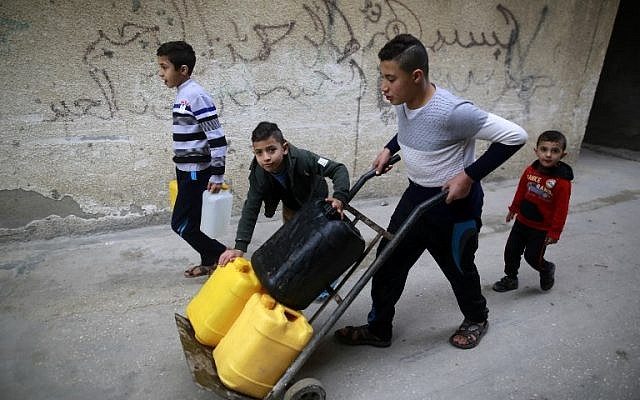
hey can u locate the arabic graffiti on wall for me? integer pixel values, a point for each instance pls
(332, 52)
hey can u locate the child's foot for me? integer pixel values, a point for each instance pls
(547, 277)
(505, 284)
(469, 334)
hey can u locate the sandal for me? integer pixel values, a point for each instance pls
(360, 335)
(472, 332)
(199, 270)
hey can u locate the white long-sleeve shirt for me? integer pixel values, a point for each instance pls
(438, 139)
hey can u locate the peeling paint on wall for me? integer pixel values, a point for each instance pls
(19, 207)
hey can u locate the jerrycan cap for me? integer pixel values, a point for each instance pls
(268, 302)
(242, 265)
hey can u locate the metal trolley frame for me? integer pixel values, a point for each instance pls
(200, 359)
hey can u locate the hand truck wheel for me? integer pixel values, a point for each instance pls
(306, 389)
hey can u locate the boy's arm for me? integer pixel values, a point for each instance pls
(338, 174)
(514, 208)
(517, 197)
(246, 225)
(207, 116)
(249, 217)
(563, 193)
(380, 163)
(506, 137)
(393, 145)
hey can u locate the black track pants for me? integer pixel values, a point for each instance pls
(528, 241)
(453, 247)
(185, 220)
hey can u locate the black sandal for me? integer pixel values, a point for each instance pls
(199, 270)
(360, 335)
(472, 332)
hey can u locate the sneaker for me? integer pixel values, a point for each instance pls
(505, 284)
(547, 278)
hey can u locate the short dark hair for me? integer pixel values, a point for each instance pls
(179, 53)
(552, 136)
(408, 52)
(266, 130)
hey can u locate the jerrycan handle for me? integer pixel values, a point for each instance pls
(331, 213)
(223, 186)
(241, 267)
(290, 314)
(267, 301)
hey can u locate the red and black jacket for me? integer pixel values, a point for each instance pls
(542, 199)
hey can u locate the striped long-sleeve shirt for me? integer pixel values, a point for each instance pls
(198, 138)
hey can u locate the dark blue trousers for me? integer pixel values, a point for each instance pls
(450, 234)
(185, 220)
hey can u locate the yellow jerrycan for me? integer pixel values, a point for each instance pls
(221, 299)
(260, 346)
(173, 192)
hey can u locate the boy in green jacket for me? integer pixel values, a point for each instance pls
(283, 172)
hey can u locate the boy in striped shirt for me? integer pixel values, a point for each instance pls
(199, 147)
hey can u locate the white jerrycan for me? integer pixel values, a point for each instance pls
(216, 211)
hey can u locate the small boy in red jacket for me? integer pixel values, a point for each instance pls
(540, 206)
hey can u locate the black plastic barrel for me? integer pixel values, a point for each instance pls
(306, 255)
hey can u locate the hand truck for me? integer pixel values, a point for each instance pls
(199, 357)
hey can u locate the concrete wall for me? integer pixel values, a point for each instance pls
(85, 120)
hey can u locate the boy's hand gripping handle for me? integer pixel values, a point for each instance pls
(368, 175)
(332, 213)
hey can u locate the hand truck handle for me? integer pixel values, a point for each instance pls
(368, 175)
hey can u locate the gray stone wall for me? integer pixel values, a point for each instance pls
(86, 124)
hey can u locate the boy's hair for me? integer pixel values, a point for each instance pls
(179, 53)
(408, 52)
(266, 130)
(552, 136)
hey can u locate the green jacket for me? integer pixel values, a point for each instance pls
(306, 172)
